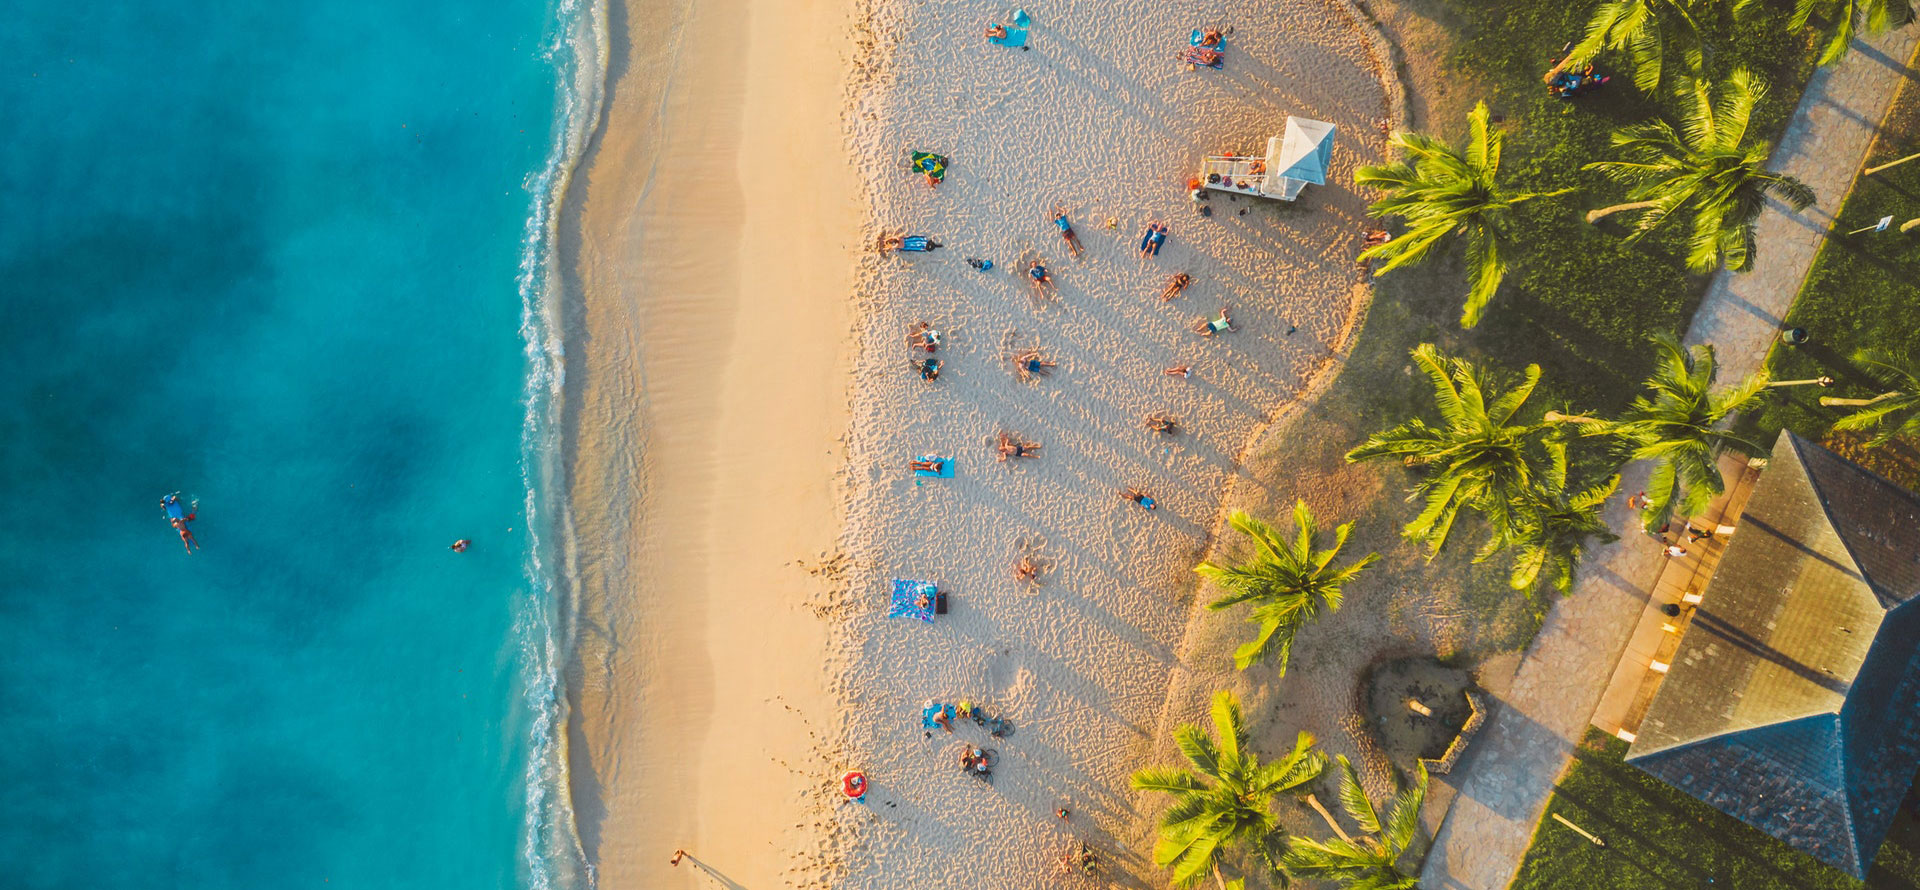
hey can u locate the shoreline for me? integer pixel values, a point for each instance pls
(705, 403)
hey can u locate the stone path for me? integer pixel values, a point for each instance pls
(1508, 776)
(1823, 147)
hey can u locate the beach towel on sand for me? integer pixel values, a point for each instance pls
(905, 596)
(933, 165)
(1016, 31)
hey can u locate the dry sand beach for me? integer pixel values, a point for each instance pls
(741, 404)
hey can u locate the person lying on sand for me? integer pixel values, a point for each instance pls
(1139, 497)
(1009, 446)
(926, 466)
(1207, 327)
(1377, 237)
(1029, 364)
(996, 32)
(1155, 236)
(1026, 569)
(1066, 230)
(1179, 371)
(923, 336)
(1160, 423)
(1175, 285)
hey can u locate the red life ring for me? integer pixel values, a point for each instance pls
(854, 784)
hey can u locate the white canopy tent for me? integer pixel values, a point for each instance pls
(1292, 163)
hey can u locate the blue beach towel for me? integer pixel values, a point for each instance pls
(906, 592)
(1016, 32)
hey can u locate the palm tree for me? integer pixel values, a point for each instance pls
(1680, 422)
(1443, 192)
(1644, 29)
(1895, 412)
(1848, 18)
(1225, 800)
(1288, 583)
(1552, 525)
(1372, 862)
(1702, 167)
(1477, 457)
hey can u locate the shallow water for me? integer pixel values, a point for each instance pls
(269, 255)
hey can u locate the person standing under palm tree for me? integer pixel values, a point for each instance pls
(1446, 194)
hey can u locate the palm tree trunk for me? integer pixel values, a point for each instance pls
(1594, 216)
(1831, 402)
(1557, 417)
(1218, 881)
(1315, 803)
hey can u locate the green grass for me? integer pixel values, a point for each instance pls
(1861, 292)
(1581, 302)
(1658, 837)
(1584, 299)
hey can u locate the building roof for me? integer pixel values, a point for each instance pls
(1793, 702)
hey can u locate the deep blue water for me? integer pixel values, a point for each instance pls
(270, 255)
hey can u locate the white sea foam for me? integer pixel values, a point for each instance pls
(553, 857)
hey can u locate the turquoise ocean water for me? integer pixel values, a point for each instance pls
(287, 259)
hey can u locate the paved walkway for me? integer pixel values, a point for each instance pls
(1508, 775)
(1823, 147)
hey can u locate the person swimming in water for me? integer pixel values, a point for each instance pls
(178, 517)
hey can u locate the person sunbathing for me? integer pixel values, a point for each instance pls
(1376, 237)
(923, 336)
(1026, 569)
(1066, 230)
(1210, 37)
(926, 466)
(1040, 280)
(1029, 364)
(1160, 423)
(1175, 285)
(1207, 327)
(996, 32)
(1139, 497)
(1179, 371)
(1009, 446)
(1155, 236)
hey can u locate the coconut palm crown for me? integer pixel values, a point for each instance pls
(1647, 31)
(1372, 862)
(1843, 20)
(1443, 194)
(1894, 412)
(1552, 525)
(1289, 583)
(1706, 167)
(1224, 799)
(1476, 458)
(1680, 422)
